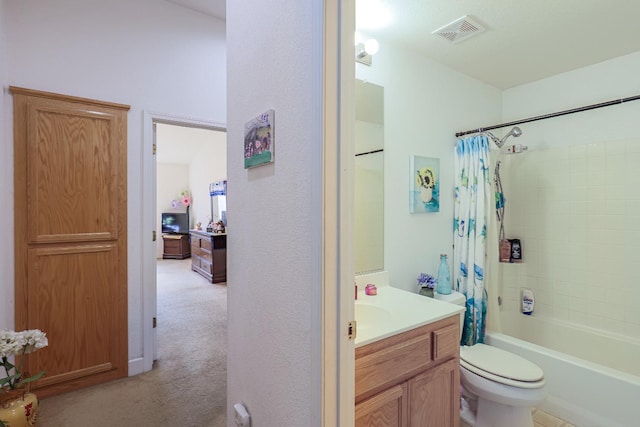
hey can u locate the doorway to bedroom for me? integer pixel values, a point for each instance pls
(190, 308)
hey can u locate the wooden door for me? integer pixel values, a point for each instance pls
(71, 236)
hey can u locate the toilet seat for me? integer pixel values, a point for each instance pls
(501, 366)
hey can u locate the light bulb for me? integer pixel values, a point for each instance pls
(371, 46)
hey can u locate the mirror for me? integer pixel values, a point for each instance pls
(369, 178)
(218, 196)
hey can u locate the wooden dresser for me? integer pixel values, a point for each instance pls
(209, 255)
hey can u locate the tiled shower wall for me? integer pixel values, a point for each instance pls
(576, 210)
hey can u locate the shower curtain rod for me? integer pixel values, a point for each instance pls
(548, 116)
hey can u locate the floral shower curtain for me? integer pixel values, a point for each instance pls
(471, 218)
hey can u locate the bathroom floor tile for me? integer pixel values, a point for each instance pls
(543, 419)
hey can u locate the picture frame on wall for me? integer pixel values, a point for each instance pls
(424, 187)
(259, 141)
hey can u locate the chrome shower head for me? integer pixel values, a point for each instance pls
(515, 131)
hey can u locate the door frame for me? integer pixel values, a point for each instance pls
(149, 216)
(337, 364)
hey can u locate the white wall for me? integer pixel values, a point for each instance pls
(172, 179)
(573, 198)
(152, 55)
(208, 165)
(425, 105)
(600, 82)
(273, 251)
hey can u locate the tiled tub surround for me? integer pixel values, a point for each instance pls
(577, 212)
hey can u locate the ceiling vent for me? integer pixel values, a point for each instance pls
(460, 29)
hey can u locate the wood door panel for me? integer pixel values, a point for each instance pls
(387, 409)
(79, 204)
(77, 281)
(434, 396)
(70, 210)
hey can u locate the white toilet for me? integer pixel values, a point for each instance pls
(499, 388)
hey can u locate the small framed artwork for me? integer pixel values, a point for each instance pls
(424, 190)
(259, 140)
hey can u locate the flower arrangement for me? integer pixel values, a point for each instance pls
(183, 200)
(18, 344)
(186, 198)
(425, 178)
(426, 281)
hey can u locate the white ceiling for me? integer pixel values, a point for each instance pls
(216, 8)
(526, 40)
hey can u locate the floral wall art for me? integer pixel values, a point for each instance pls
(424, 193)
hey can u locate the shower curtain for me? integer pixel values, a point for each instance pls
(472, 208)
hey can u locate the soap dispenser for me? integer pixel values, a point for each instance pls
(444, 278)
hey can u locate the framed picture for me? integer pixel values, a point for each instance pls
(424, 189)
(259, 140)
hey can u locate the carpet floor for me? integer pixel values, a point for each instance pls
(187, 385)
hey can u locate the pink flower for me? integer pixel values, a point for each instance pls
(186, 200)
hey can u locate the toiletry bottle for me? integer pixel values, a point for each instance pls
(444, 278)
(527, 301)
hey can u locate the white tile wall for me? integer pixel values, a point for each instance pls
(577, 212)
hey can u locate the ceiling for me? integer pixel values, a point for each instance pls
(524, 40)
(215, 8)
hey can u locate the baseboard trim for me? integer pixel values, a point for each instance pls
(136, 366)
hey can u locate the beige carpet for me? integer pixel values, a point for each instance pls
(186, 387)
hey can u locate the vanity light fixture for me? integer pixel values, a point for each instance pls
(364, 51)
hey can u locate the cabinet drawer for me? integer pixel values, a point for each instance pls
(195, 261)
(171, 244)
(205, 244)
(375, 371)
(206, 265)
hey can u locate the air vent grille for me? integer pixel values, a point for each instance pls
(460, 29)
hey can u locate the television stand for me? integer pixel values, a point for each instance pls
(176, 246)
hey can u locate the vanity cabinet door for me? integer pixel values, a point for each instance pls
(411, 379)
(386, 409)
(434, 396)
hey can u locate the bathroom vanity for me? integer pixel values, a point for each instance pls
(407, 361)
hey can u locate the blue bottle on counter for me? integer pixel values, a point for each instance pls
(444, 278)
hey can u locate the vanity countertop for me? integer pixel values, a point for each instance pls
(393, 311)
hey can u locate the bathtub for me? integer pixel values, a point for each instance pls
(582, 388)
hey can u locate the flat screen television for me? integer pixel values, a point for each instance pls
(175, 223)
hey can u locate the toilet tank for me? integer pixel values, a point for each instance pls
(456, 298)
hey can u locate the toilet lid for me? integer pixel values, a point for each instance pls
(499, 363)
